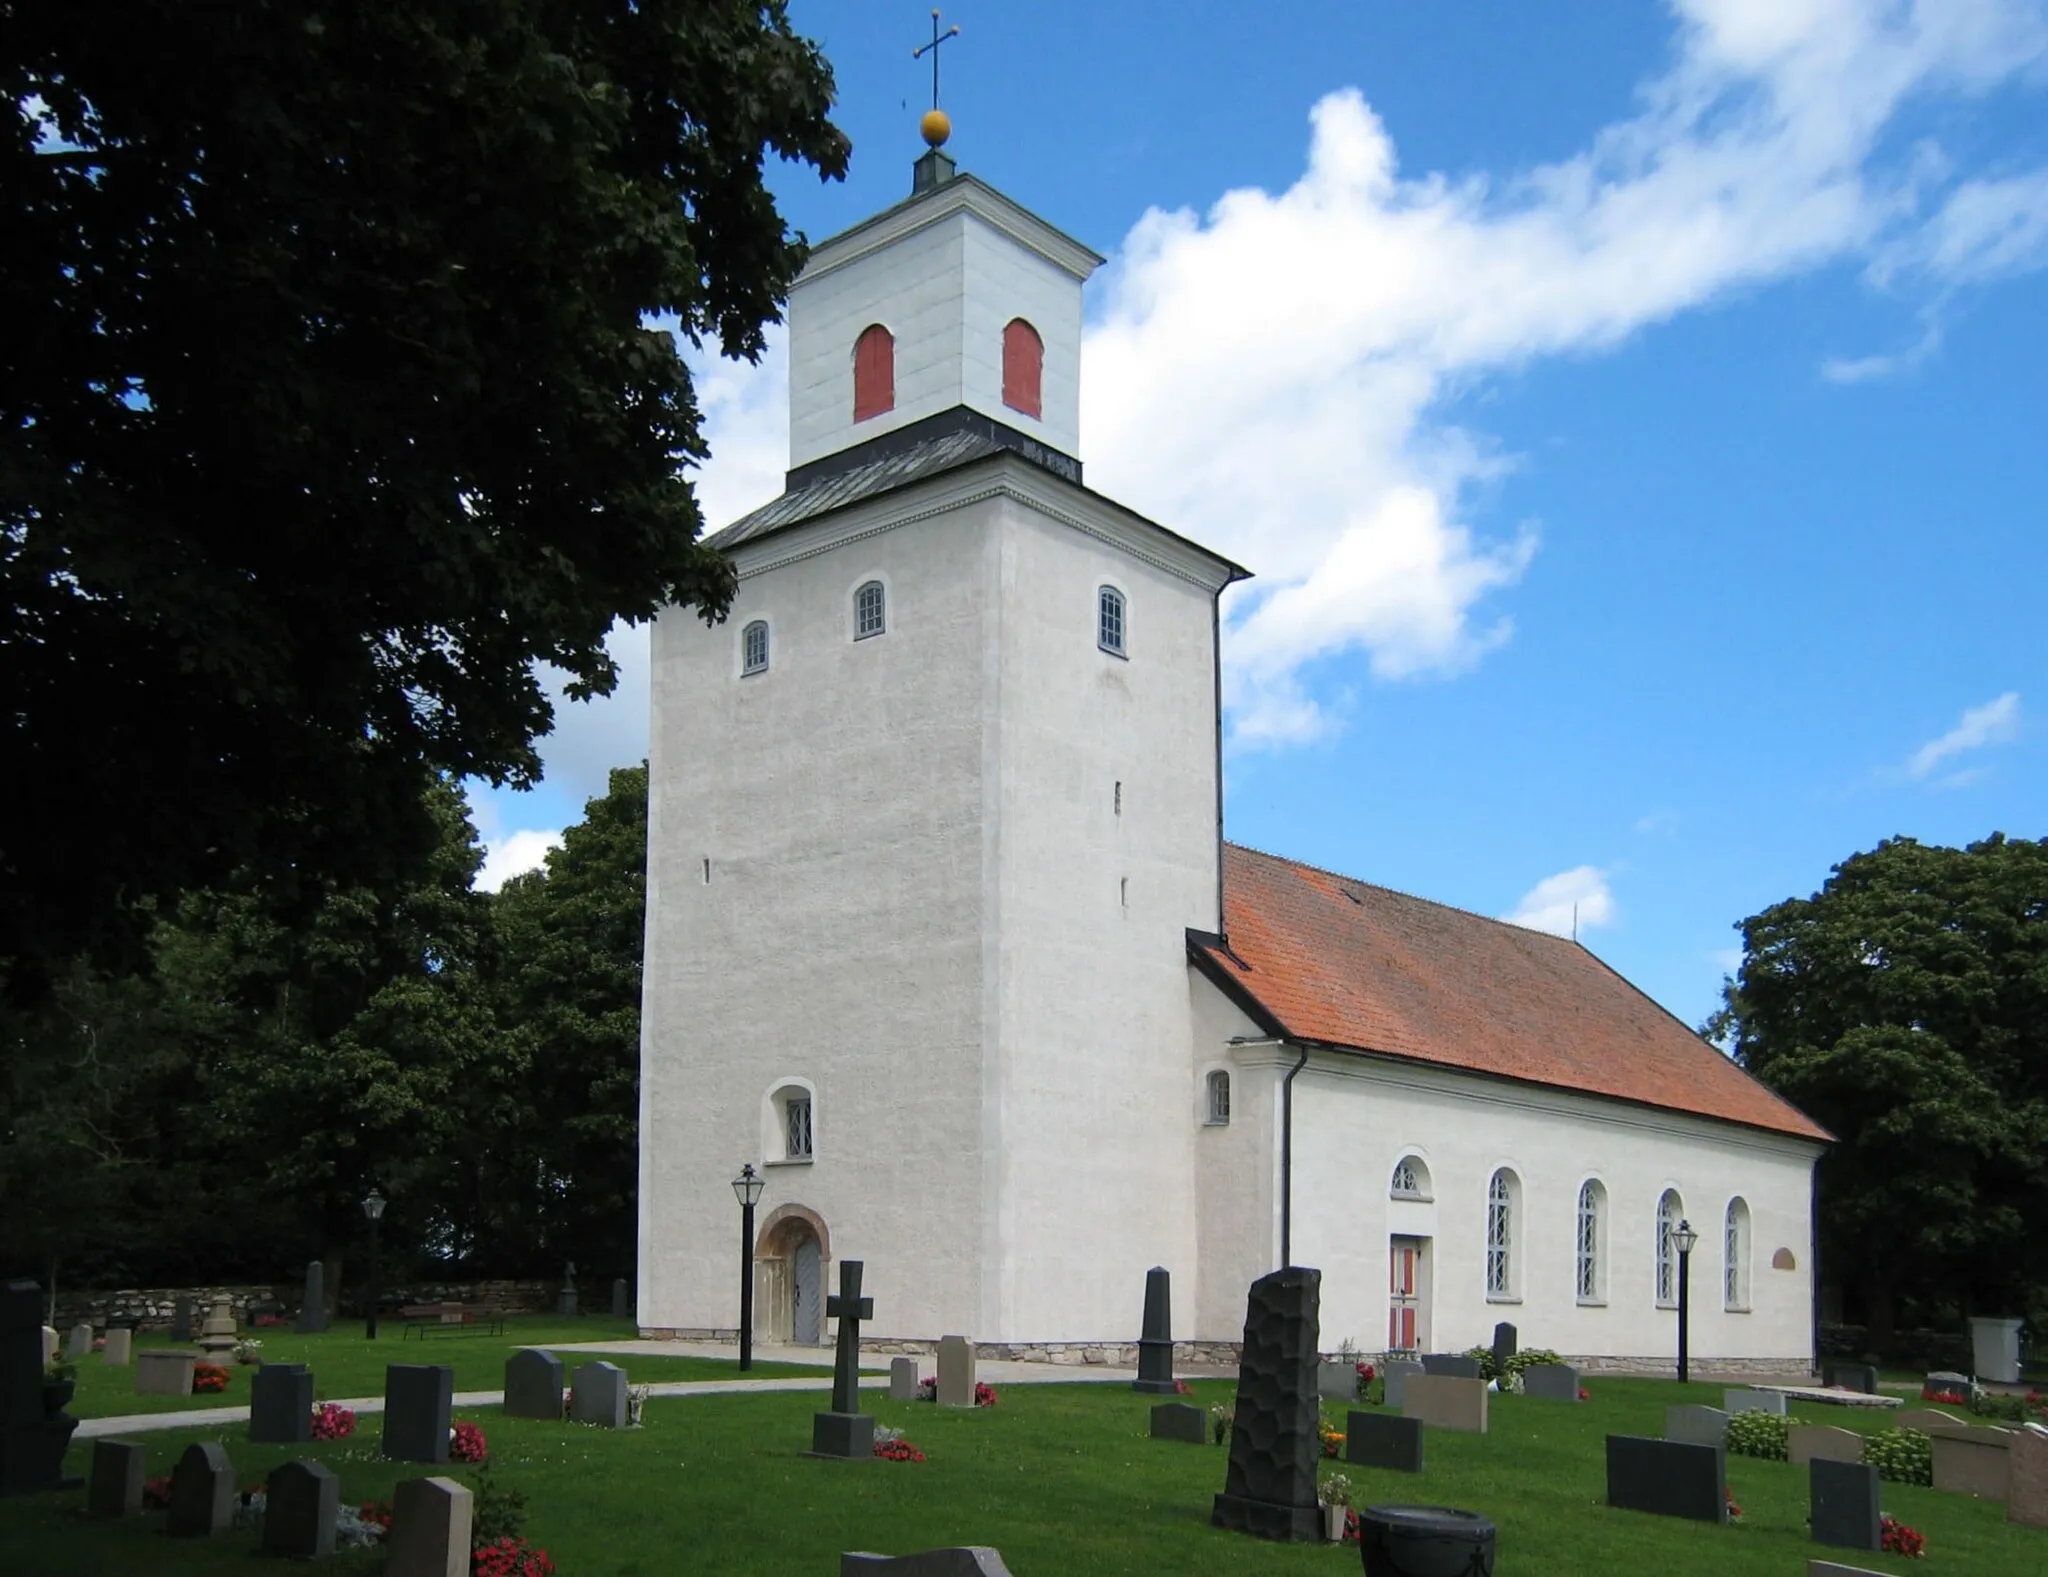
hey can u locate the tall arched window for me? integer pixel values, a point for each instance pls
(754, 647)
(1592, 1280)
(870, 611)
(1219, 1098)
(1500, 1235)
(874, 372)
(1109, 620)
(1023, 367)
(1670, 1211)
(1735, 1256)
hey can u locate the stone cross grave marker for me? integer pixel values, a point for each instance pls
(202, 1492)
(313, 1310)
(1806, 1443)
(418, 1397)
(430, 1527)
(1155, 1337)
(533, 1384)
(281, 1404)
(1672, 1478)
(902, 1379)
(1383, 1441)
(118, 1468)
(120, 1348)
(956, 1372)
(300, 1502)
(846, 1433)
(1180, 1421)
(1270, 1487)
(600, 1392)
(32, 1439)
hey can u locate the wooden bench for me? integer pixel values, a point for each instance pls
(451, 1319)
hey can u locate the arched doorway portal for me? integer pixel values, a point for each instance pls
(791, 1255)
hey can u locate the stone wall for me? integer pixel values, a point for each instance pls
(152, 1308)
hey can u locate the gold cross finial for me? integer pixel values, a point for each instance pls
(935, 125)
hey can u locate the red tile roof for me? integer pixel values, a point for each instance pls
(1320, 957)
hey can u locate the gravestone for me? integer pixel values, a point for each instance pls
(281, 1405)
(975, 1560)
(183, 1312)
(1843, 1508)
(1740, 1399)
(956, 1372)
(1382, 1440)
(118, 1469)
(622, 1300)
(418, 1397)
(565, 1300)
(1446, 1401)
(1180, 1421)
(430, 1529)
(217, 1334)
(51, 1342)
(1696, 1425)
(160, 1371)
(1551, 1382)
(120, 1348)
(1928, 1420)
(1850, 1376)
(599, 1391)
(1395, 1372)
(202, 1492)
(846, 1434)
(313, 1310)
(79, 1342)
(1948, 1380)
(1504, 1347)
(1155, 1337)
(1337, 1382)
(1458, 1365)
(34, 1430)
(1270, 1487)
(300, 1502)
(1671, 1478)
(1822, 1443)
(902, 1379)
(533, 1384)
(2026, 1498)
(1973, 1461)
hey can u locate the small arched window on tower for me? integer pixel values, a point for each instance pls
(754, 648)
(1219, 1098)
(1023, 367)
(874, 372)
(870, 611)
(1109, 621)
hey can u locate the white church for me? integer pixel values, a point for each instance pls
(944, 938)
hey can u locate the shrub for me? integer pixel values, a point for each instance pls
(1989, 1404)
(1221, 1420)
(1760, 1434)
(495, 1513)
(1905, 1456)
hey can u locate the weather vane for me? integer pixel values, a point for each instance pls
(936, 127)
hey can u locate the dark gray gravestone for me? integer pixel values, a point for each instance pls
(300, 1502)
(418, 1397)
(281, 1405)
(183, 1313)
(1851, 1376)
(1180, 1421)
(1155, 1340)
(202, 1492)
(1384, 1440)
(313, 1311)
(1844, 1507)
(622, 1300)
(118, 1468)
(846, 1433)
(902, 1379)
(34, 1428)
(1458, 1365)
(1553, 1382)
(1270, 1488)
(1394, 1374)
(1672, 1478)
(565, 1300)
(599, 1390)
(1504, 1346)
(533, 1384)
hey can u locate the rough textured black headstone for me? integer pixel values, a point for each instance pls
(1179, 1421)
(1384, 1440)
(1425, 1541)
(34, 1428)
(118, 1468)
(1155, 1340)
(281, 1404)
(313, 1311)
(202, 1492)
(1855, 1376)
(1672, 1478)
(846, 1437)
(418, 1397)
(622, 1300)
(300, 1502)
(1459, 1365)
(1504, 1346)
(1270, 1488)
(1845, 1505)
(533, 1384)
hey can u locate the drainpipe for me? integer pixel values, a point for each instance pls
(1287, 1161)
(1216, 673)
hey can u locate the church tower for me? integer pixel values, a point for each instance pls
(931, 814)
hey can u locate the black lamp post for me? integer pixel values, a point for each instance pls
(747, 1189)
(1685, 1240)
(373, 1207)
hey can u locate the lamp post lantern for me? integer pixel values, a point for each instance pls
(746, 1189)
(1685, 1240)
(373, 1207)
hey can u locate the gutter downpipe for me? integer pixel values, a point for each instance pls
(1287, 1161)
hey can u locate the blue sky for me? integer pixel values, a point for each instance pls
(1637, 419)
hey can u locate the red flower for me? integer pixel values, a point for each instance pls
(466, 1443)
(1733, 1509)
(331, 1421)
(898, 1450)
(1366, 1373)
(984, 1395)
(208, 1378)
(156, 1493)
(1585, 1395)
(510, 1557)
(1898, 1539)
(377, 1511)
(1182, 1388)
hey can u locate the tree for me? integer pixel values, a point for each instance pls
(1905, 1007)
(329, 404)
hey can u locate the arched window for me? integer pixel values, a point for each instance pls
(1500, 1235)
(874, 372)
(869, 606)
(1670, 1211)
(1109, 620)
(1219, 1097)
(1023, 367)
(1410, 1179)
(1735, 1256)
(1592, 1280)
(754, 647)
(791, 1135)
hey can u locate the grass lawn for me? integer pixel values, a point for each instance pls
(1061, 1478)
(346, 1364)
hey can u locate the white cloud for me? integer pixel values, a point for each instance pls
(1577, 898)
(513, 855)
(1993, 723)
(1727, 959)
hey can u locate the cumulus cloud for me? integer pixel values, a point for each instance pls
(514, 854)
(1993, 723)
(1575, 899)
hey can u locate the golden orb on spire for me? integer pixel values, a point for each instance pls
(936, 127)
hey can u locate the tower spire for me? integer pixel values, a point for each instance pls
(934, 167)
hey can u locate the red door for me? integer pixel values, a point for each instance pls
(1401, 1257)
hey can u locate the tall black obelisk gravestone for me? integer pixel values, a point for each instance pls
(34, 1428)
(1270, 1488)
(1155, 1341)
(846, 1433)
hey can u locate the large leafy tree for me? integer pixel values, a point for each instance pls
(328, 404)
(1905, 1006)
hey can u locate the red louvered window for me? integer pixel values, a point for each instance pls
(874, 372)
(1023, 367)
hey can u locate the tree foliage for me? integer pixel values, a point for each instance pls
(329, 404)
(1905, 1007)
